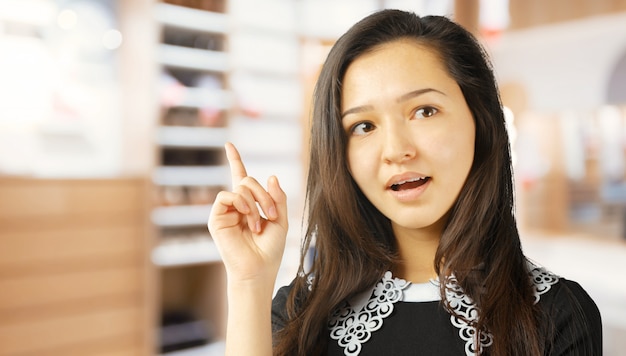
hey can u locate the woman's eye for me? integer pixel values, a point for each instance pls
(425, 112)
(362, 128)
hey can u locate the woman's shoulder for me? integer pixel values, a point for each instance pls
(570, 314)
(551, 290)
(280, 300)
(279, 307)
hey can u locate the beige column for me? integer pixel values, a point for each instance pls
(466, 13)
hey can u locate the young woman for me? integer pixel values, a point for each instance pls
(410, 210)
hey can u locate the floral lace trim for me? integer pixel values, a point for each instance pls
(542, 279)
(464, 317)
(354, 322)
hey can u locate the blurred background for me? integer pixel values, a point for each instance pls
(113, 115)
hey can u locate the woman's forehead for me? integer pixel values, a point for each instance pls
(394, 69)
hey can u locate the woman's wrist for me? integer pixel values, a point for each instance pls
(249, 317)
(258, 287)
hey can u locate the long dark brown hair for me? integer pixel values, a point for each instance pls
(354, 242)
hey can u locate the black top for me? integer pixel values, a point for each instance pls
(399, 318)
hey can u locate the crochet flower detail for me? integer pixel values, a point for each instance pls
(542, 280)
(355, 321)
(465, 313)
(464, 316)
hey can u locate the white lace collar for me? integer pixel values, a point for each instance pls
(422, 292)
(354, 322)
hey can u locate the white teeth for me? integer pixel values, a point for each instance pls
(410, 180)
(396, 186)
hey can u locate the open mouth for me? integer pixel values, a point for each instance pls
(409, 184)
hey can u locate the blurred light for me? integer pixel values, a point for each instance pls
(32, 12)
(112, 39)
(612, 149)
(67, 19)
(509, 119)
(494, 14)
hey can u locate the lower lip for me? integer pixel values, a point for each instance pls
(409, 195)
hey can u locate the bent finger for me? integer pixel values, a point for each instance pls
(224, 212)
(247, 197)
(280, 200)
(262, 197)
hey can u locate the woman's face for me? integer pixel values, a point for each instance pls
(410, 134)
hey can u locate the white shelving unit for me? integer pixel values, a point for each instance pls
(189, 18)
(191, 176)
(259, 65)
(193, 47)
(191, 58)
(192, 137)
(178, 254)
(200, 97)
(215, 349)
(181, 216)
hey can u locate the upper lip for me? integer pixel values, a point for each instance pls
(404, 177)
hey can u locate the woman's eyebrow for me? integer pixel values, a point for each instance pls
(417, 92)
(405, 97)
(357, 109)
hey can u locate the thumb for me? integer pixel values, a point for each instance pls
(280, 199)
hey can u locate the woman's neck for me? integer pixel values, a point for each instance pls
(416, 250)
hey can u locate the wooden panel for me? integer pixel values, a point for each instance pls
(466, 14)
(49, 289)
(48, 198)
(200, 289)
(34, 336)
(74, 307)
(530, 13)
(126, 344)
(212, 298)
(74, 268)
(65, 243)
(123, 345)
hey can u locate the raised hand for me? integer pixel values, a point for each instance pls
(251, 245)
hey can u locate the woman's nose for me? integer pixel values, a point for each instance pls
(398, 145)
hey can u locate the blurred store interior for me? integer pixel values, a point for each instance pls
(113, 116)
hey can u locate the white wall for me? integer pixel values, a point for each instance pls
(563, 66)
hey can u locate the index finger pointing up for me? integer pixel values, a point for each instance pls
(237, 169)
